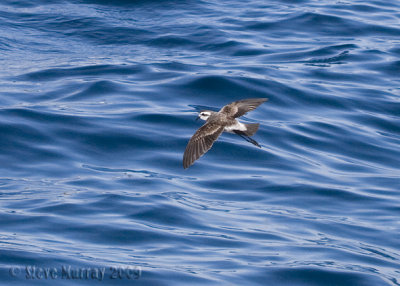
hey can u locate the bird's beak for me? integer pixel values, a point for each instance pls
(197, 118)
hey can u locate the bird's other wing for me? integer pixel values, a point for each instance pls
(201, 142)
(241, 107)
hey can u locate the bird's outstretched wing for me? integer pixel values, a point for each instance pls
(201, 142)
(240, 107)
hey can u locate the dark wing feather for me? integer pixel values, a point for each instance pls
(241, 107)
(201, 142)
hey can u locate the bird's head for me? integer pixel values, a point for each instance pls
(204, 114)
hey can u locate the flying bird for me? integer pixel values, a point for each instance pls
(218, 122)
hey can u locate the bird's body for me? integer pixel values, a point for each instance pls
(218, 122)
(236, 126)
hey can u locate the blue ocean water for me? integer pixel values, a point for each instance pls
(99, 98)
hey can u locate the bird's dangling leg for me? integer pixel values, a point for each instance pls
(247, 138)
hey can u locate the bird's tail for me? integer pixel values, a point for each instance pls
(251, 129)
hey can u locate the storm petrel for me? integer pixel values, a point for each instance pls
(218, 122)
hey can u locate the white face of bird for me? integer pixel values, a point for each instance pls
(204, 115)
